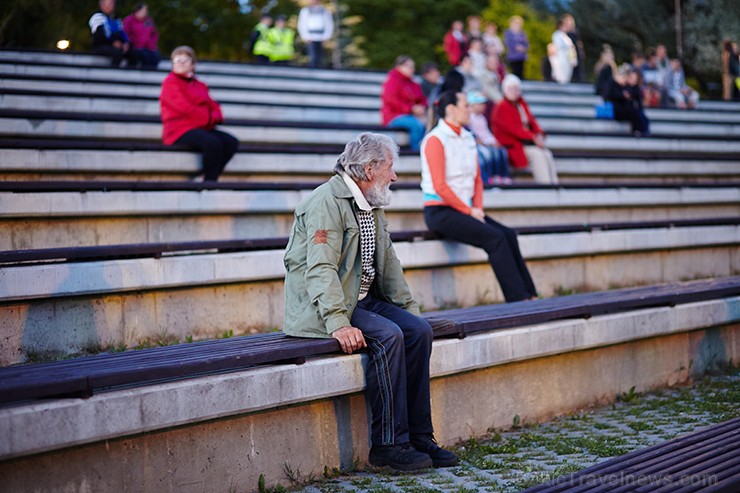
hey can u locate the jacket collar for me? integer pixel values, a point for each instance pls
(444, 127)
(360, 199)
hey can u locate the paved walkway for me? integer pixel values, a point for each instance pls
(514, 460)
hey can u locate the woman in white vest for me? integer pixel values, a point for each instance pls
(453, 197)
(566, 57)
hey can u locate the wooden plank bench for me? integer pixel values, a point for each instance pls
(707, 460)
(157, 250)
(81, 377)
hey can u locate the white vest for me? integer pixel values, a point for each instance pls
(461, 163)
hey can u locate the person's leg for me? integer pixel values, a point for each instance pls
(150, 59)
(521, 265)
(517, 68)
(459, 227)
(417, 339)
(413, 125)
(503, 158)
(541, 163)
(115, 54)
(229, 145)
(212, 148)
(484, 162)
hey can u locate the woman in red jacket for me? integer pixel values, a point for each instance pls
(455, 43)
(517, 130)
(189, 115)
(403, 102)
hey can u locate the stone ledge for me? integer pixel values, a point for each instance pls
(114, 276)
(39, 427)
(144, 203)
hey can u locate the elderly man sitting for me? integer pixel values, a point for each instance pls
(344, 281)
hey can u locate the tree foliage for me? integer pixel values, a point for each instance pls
(215, 28)
(539, 27)
(384, 29)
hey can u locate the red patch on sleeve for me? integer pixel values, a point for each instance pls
(320, 236)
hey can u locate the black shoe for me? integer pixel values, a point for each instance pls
(427, 444)
(401, 457)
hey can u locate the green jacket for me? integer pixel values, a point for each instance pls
(323, 264)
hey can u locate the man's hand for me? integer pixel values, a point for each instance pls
(478, 214)
(350, 338)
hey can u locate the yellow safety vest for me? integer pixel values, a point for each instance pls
(280, 44)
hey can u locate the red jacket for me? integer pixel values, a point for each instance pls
(399, 95)
(453, 48)
(508, 129)
(186, 105)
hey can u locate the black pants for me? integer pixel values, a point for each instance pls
(217, 148)
(117, 55)
(399, 345)
(499, 242)
(517, 68)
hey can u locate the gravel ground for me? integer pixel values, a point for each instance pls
(525, 456)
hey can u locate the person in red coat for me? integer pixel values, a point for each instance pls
(190, 116)
(403, 101)
(516, 128)
(455, 43)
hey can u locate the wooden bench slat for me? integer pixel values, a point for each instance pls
(707, 452)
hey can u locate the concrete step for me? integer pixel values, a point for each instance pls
(36, 163)
(137, 298)
(269, 110)
(206, 66)
(541, 104)
(213, 80)
(78, 126)
(70, 219)
(149, 129)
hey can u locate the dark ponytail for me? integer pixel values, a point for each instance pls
(440, 106)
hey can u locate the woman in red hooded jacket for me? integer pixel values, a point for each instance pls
(189, 115)
(403, 104)
(517, 130)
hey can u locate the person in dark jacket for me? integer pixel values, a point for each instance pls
(625, 94)
(190, 116)
(108, 35)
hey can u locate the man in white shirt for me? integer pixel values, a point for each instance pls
(315, 25)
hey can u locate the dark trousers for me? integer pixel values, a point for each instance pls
(117, 55)
(315, 51)
(217, 148)
(499, 242)
(148, 59)
(396, 370)
(638, 120)
(517, 68)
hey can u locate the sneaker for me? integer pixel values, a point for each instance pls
(427, 444)
(400, 457)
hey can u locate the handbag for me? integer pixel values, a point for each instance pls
(605, 111)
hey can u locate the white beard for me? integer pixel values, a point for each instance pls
(379, 195)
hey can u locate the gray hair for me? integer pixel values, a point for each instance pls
(368, 149)
(510, 80)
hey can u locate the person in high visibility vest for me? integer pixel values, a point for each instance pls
(280, 40)
(258, 39)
